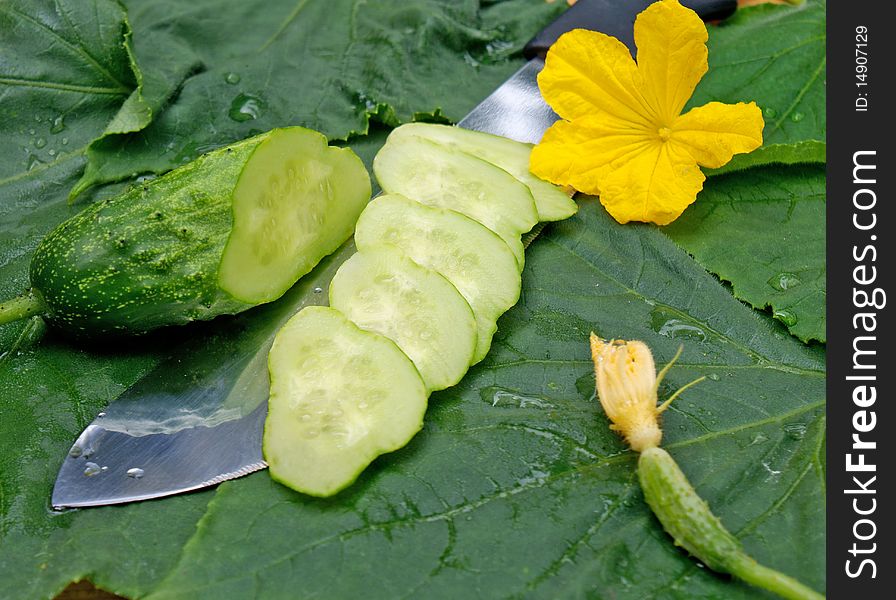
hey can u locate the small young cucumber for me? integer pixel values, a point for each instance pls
(441, 176)
(552, 203)
(381, 289)
(230, 230)
(340, 397)
(687, 518)
(473, 258)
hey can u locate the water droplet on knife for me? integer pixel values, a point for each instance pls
(135, 473)
(91, 469)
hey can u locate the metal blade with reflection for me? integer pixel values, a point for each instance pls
(196, 419)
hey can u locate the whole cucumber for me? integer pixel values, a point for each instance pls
(151, 256)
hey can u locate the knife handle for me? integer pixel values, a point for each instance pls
(615, 18)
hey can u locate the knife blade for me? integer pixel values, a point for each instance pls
(197, 419)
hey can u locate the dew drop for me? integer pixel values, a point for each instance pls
(40, 143)
(52, 152)
(713, 377)
(136, 473)
(795, 431)
(662, 321)
(91, 469)
(784, 281)
(58, 125)
(759, 438)
(797, 117)
(769, 112)
(318, 290)
(785, 316)
(246, 107)
(33, 161)
(65, 141)
(232, 78)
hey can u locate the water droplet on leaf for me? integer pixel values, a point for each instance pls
(787, 317)
(58, 125)
(769, 112)
(40, 143)
(795, 431)
(784, 281)
(232, 78)
(246, 107)
(797, 117)
(713, 377)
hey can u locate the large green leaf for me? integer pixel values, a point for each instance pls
(775, 56)
(516, 457)
(330, 66)
(64, 73)
(516, 485)
(764, 231)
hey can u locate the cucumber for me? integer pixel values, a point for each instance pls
(340, 397)
(152, 256)
(473, 258)
(383, 290)
(296, 201)
(552, 203)
(440, 176)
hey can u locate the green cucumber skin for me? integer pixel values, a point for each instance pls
(147, 258)
(684, 515)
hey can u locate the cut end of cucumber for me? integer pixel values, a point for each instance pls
(383, 290)
(340, 397)
(296, 201)
(551, 201)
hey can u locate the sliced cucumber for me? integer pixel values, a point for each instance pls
(383, 290)
(340, 397)
(552, 203)
(440, 176)
(472, 257)
(295, 202)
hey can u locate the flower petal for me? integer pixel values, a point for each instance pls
(655, 186)
(580, 153)
(671, 41)
(715, 132)
(587, 72)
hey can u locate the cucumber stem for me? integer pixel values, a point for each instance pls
(774, 581)
(22, 307)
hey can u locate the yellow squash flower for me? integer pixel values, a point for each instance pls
(627, 384)
(621, 133)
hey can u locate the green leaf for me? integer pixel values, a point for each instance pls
(773, 55)
(64, 73)
(330, 66)
(763, 230)
(520, 451)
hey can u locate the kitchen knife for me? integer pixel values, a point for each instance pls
(197, 419)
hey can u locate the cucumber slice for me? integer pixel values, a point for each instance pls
(295, 202)
(552, 203)
(475, 260)
(383, 290)
(340, 397)
(440, 176)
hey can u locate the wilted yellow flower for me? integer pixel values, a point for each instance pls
(627, 384)
(621, 133)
